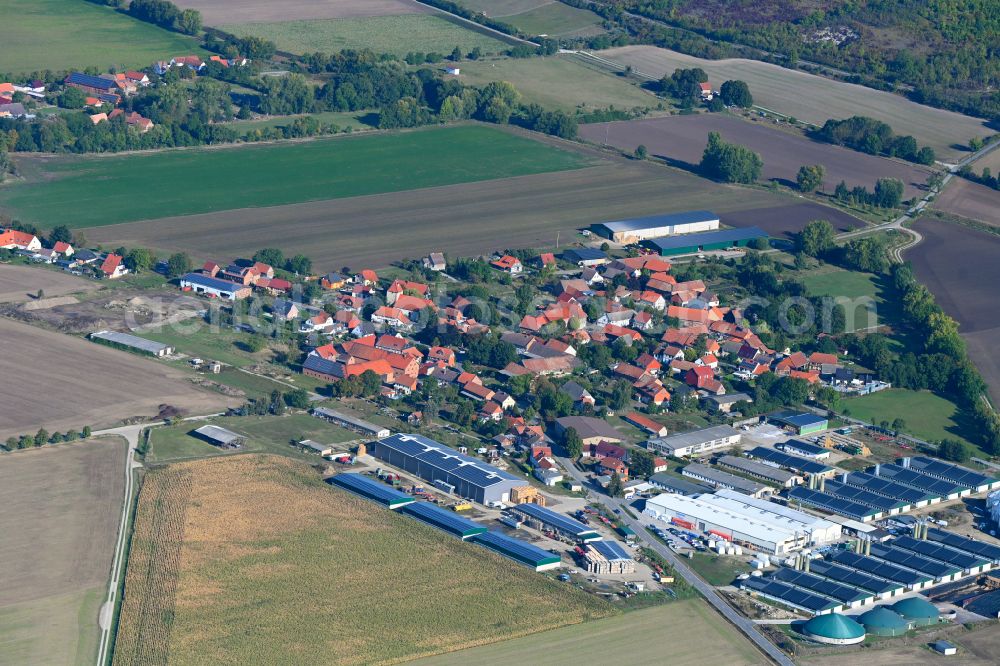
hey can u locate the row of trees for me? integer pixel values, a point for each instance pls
(888, 193)
(43, 437)
(873, 137)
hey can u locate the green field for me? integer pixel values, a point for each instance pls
(718, 570)
(355, 120)
(860, 288)
(96, 191)
(559, 82)
(399, 35)
(265, 434)
(928, 416)
(254, 560)
(556, 20)
(685, 633)
(74, 34)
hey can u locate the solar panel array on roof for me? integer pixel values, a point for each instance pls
(371, 489)
(888, 488)
(612, 550)
(812, 583)
(521, 551)
(831, 503)
(782, 459)
(444, 519)
(557, 520)
(966, 544)
(940, 552)
(879, 568)
(862, 496)
(910, 560)
(789, 594)
(955, 473)
(910, 477)
(853, 577)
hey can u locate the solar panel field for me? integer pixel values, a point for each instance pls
(253, 559)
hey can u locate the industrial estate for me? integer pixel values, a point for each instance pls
(497, 332)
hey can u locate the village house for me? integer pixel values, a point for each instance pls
(113, 267)
(508, 264)
(12, 239)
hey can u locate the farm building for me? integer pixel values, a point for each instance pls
(805, 466)
(540, 517)
(976, 482)
(800, 423)
(316, 447)
(901, 474)
(696, 442)
(790, 595)
(591, 430)
(585, 256)
(721, 479)
(371, 489)
(819, 499)
(608, 557)
(705, 242)
(656, 226)
(219, 436)
(822, 530)
(758, 470)
(210, 286)
(433, 461)
(732, 517)
(879, 587)
(351, 423)
(519, 551)
(444, 519)
(673, 484)
(132, 343)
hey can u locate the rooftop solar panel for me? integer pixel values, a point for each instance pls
(939, 552)
(444, 519)
(879, 568)
(519, 550)
(407, 446)
(370, 488)
(831, 503)
(827, 588)
(792, 595)
(888, 488)
(563, 523)
(782, 459)
(916, 479)
(966, 544)
(955, 473)
(911, 560)
(862, 496)
(853, 577)
(611, 550)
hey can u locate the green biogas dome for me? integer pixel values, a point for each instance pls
(881, 621)
(917, 610)
(835, 629)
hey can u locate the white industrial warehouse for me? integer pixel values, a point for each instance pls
(760, 524)
(656, 226)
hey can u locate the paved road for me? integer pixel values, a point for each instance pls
(748, 628)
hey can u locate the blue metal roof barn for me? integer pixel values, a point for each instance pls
(518, 550)
(444, 519)
(371, 490)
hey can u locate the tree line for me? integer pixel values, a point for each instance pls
(43, 437)
(874, 137)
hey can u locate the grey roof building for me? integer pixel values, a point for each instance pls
(759, 470)
(133, 342)
(720, 479)
(696, 442)
(433, 461)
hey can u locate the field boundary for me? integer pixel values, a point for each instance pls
(483, 29)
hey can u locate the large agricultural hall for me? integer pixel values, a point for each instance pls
(639, 229)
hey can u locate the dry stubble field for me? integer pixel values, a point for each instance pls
(63, 382)
(59, 525)
(683, 139)
(20, 283)
(215, 12)
(815, 99)
(467, 219)
(253, 559)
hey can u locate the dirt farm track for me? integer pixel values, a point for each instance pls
(467, 219)
(959, 265)
(63, 382)
(216, 12)
(683, 138)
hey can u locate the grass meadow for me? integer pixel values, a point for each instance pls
(927, 416)
(672, 634)
(97, 191)
(425, 33)
(253, 559)
(74, 34)
(559, 82)
(555, 19)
